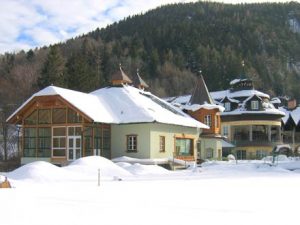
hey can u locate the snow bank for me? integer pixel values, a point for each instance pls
(141, 161)
(88, 166)
(39, 172)
(139, 169)
(82, 169)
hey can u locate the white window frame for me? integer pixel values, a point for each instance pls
(254, 105)
(58, 148)
(225, 130)
(207, 120)
(227, 106)
(131, 143)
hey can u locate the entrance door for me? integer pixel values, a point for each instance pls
(74, 147)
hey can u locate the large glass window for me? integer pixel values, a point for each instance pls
(88, 141)
(44, 142)
(74, 117)
(31, 119)
(59, 116)
(241, 154)
(184, 146)
(259, 133)
(241, 133)
(59, 142)
(131, 143)
(44, 116)
(30, 142)
(106, 142)
(97, 141)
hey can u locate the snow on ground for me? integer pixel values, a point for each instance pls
(246, 192)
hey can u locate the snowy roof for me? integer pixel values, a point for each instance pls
(196, 107)
(88, 104)
(276, 100)
(131, 105)
(236, 81)
(294, 114)
(241, 111)
(242, 93)
(120, 105)
(286, 116)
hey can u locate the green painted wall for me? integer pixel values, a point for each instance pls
(119, 140)
(148, 139)
(169, 131)
(211, 143)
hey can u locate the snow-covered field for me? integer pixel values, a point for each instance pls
(250, 192)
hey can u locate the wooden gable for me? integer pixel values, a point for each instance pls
(45, 102)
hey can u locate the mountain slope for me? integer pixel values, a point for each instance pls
(170, 45)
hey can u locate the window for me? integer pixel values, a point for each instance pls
(217, 121)
(131, 143)
(254, 105)
(225, 131)
(74, 117)
(59, 142)
(106, 142)
(88, 137)
(207, 120)
(261, 153)
(44, 142)
(162, 143)
(97, 141)
(59, 116)
(209, 153)
(227, 106)
(241, 154)
(44, 116)
(32, 118)
(29, 142)
(184, 146)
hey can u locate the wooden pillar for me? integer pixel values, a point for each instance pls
(250, 133)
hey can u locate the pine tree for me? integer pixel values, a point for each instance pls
(53, 70)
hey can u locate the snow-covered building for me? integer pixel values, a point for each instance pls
(60, 125)
(291, 124)
(250, 121)
(202, 107)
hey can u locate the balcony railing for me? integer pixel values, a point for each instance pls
(245, 143)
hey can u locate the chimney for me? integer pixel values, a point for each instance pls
(292, 104)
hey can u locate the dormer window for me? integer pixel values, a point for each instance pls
(254, 105)
(207, 120)
(227, 106)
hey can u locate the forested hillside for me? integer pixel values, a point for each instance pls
(169, 45)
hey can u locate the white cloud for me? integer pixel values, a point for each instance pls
(34, 23)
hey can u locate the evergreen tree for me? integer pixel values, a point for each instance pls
(53, 70)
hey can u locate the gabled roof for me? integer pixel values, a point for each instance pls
(121, 76)
(119, 105)
(201, 94)
(139, 82)
(86, 103)
(229, 99)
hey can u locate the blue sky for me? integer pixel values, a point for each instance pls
(26, 24)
